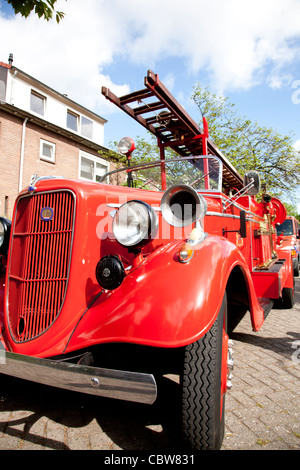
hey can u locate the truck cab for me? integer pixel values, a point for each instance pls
(289, 239)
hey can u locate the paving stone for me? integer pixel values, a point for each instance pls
(262, 409)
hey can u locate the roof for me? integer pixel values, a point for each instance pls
(61, 96)
(21, 113)
(6, 66)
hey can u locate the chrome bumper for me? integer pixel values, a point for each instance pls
(122, 385)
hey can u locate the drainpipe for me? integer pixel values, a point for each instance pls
(22, 154)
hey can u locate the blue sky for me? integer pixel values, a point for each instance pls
(248, 51)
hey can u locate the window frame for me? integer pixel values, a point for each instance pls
(81, 127)
(80, 118)
(95, 160)
(77, 117)
(44, 157)
(43, 98)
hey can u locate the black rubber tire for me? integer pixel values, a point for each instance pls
(203, 427)
(288, 297)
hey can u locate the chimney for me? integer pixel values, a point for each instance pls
(10, 59)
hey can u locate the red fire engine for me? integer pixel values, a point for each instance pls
(110, 286)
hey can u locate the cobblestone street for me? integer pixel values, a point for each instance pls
(262, 409)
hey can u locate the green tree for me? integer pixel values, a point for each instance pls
(292, 210)
(44, 9)
(250, 146)
(247, 145)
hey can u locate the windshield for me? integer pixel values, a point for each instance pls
(200, 172)
(286, 228)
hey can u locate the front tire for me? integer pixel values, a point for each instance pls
(203, 388)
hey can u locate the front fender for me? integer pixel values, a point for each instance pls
(163, 303)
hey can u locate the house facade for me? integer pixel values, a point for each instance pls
(44, 133)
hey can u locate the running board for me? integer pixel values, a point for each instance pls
(266, 305)
(121, 385)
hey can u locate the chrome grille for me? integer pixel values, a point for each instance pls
(39, 262)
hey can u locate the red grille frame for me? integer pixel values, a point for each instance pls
(39, 262)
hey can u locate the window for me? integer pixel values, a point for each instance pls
(80, 124)
(87, 168)
(92, 168)
(47, 151)
(37, 103)
(86, 127)
(72, 121)
(100, 170)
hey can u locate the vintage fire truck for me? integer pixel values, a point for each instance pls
(108, 287)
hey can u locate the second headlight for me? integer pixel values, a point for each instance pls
(4, 235)
(135, 223)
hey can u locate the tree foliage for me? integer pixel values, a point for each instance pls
(292, 210)
(147, 151)
(250, 146)
(44, 9)
(178, 171)
(246, 144)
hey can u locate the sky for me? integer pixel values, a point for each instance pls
(248, 51)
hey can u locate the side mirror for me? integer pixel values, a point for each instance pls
(252, 180)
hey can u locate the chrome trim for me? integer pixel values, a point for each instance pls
(117, 205)
(255, 218)
(32, 186)
(224, 200)
(122, 385)
(240, 193)
(220, 214)
(154, 163)
(249, 213)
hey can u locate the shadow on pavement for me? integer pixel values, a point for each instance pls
(129, 425)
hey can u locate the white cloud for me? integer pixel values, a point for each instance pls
(237, 43)
(169, 81)
(296, 145)
(70, 56)
(233, 40)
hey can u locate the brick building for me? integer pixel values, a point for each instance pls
(43, 132)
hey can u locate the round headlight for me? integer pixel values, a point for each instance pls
(134, 223)
(4, 234)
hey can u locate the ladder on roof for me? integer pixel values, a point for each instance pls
(171, 124)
